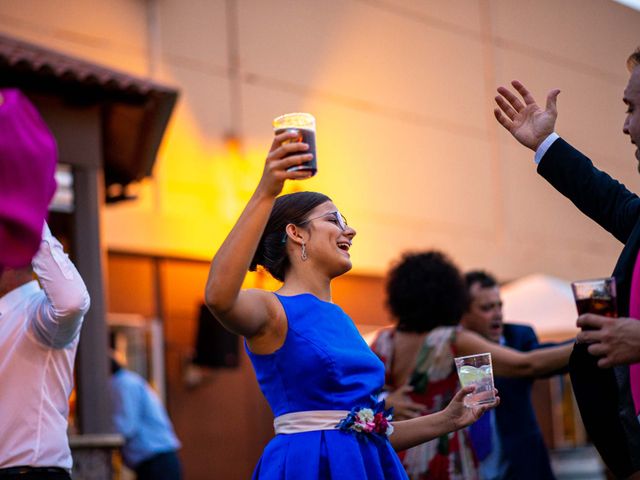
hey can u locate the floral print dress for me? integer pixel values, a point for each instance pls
(434, 381)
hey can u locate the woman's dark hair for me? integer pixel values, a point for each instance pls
(426, 290)
(290, 208)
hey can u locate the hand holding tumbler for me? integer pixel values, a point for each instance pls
(304, 124)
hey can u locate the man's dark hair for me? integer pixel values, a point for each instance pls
(424, 291)
(291, 208)
(485, 279)
(114, 365)
(634, 60)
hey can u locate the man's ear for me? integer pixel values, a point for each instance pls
(296, 234)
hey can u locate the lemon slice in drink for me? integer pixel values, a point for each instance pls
(469, 375)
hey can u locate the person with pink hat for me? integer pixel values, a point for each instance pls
(28, 156)
(39, 326)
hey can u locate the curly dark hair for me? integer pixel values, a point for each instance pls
(426, 290)
(291, 208)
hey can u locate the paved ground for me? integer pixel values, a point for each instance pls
(577, 464)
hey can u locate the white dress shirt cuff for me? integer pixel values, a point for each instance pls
(544, 146)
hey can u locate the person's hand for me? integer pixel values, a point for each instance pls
(462, 416)
(403, 407)
(527, 122)
(616, 340)
(275, 168)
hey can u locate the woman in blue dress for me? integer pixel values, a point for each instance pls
(317, 373)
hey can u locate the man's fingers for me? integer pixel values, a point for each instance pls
(598, 349)
(502, 119)
(589, 320)
(552, 100)
(408, 412)
(511, 98)
(405, 389)
(589, 336)
(604, 362)
(415, 407)
(506, 107)
(405, 401)
(522, 90)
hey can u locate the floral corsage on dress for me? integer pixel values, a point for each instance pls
(365, 422)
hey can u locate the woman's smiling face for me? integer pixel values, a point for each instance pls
(329, 239)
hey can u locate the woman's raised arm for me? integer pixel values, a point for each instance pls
(247, 312)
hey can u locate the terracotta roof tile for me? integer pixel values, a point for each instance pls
(39, 61)
(135, 110)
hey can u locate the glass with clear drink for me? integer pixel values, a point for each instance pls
(477, 371)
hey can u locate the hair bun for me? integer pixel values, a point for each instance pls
(258, 257)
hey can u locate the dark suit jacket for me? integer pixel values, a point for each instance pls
(603, 396)
(522, 444)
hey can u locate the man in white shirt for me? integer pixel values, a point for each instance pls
(39, 334)
(28, 157)
(39, 323)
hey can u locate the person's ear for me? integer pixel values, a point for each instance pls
(296, 234)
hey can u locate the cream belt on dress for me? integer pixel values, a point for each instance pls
(298, 422)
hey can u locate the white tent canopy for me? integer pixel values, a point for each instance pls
(544, 302)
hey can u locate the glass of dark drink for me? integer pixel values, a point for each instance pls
(596, 296)
(596, 389)
(304, 124)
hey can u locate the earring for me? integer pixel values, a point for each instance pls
(304, 252)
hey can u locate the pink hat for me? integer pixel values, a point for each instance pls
(28, 156)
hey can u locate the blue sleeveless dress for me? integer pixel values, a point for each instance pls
(324, 364)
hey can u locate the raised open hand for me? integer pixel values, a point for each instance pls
(282, 156)
(527, 122)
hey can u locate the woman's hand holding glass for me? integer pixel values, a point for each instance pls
(275, 169)
(462, 416)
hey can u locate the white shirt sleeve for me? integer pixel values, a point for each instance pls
(57, 319)
(544, 146)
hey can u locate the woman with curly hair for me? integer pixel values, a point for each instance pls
(314, 368)
(427, 297)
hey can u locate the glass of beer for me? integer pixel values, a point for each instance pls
(304, 124)
(477, 371)
(596, 296)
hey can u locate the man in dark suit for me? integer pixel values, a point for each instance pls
(517, 449)
(604, 395)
